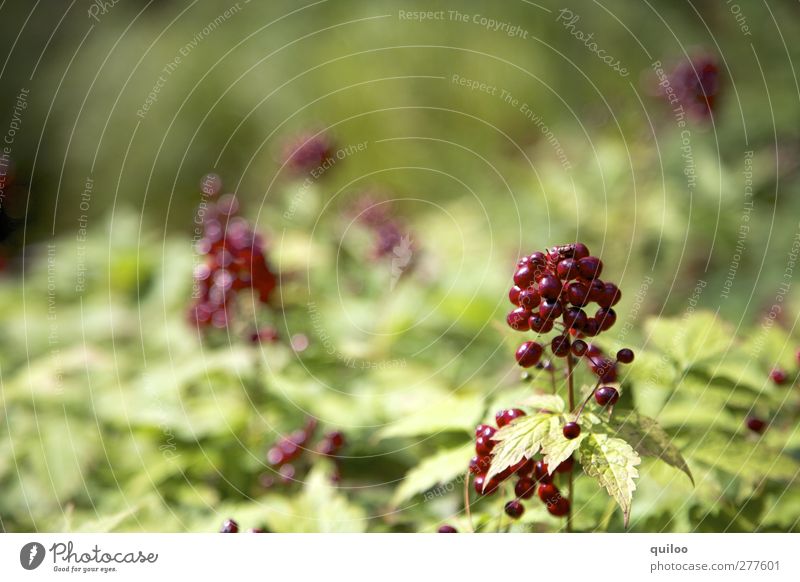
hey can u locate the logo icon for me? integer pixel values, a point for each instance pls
(31, 555)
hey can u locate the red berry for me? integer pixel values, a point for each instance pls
(778, 376)
(524, 277)
(567, 269)
(528, 354)
(513, 294)
(485, 430)
(514, 509)
(579, 347)
(529, 298)
(580, 251)
(540, 324)
(590, 267)
(540, 472)
(549, 287)
(625, 356)
(572, 430)
(610, 295)
(606, 395)
(756, 424)
(575, 318)
(504, 417)
(229, 526)
(548, 492)
(605, 317)
(518, 319)
(550, 309)
(560, 345)
(479, 465)
(447, 529)
(484, 446)
(578, 294)
(559, 508)
(566, 465)
(525, 488)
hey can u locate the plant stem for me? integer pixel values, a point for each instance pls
(571, 500)
(570, 383)
(466, 503)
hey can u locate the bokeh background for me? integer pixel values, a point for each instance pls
(482, 143)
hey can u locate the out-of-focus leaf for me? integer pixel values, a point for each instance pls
(437, 469)
(613, 463)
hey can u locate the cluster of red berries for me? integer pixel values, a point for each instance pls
(234, 260)
(532, 476)
(550, 291)
(696, 83)
(283, 455)
(230, 526)
(307, 151)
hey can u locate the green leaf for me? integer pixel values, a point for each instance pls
(549, 402)
(448, 413)
(557, 448)
(440, 468)
(613, 463)
(649, 439)
(690, 339)
(520, 439)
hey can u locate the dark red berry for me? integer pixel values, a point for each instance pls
(580, 251)
(549, 287)
(560, 345)
(548, 492)
(229, 526)
(550, 309)
(479, 465)
(596, 289)
(579, 347)
(590, 267)
(537, 259)
(447, 529)
(605, 317)
(540, 472)
(504, 417)
(625, 356)
(610, 295)
(592, 328)
(528, 354)
(566, 465)
(567, 269)
(578, 294)
(513, 294)
(518, 319)
(778, 376)
(524, 277)
(571, 430)
(575, 318)
(529, 298)
(484, 446)
(514, 509)
(525, 488)
(540, 324)
(485, 430)
(606, 395)
(756, 424)
(559, 508)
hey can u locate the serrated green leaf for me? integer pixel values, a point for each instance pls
(648, 439)
(550, 402)
(613, 463)
(440, 468)
(520, 439)
(749, 460)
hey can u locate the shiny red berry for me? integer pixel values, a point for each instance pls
(606, 395)
(484, 446)
(478, 465)
(578, 294)
(571, 430)
(528, 354)
(559, 508)
(540, 324)
(529, 298)
(513, 295)
(447, 529)
(567, 269)
(605, 317)
(590, 267)
(229, 526)
(524, 277)
(778, 376)
(518, 319)
(579, 348)
(625, 356)
(566, 465)
(580, 251)
(504, 417)
(575, 318)
(560, 345)
(548, 492)
(550, 309)
(549, 287)
(485, 430)
(540, 472)
(514, 509)
(525, 488)
(610, 295)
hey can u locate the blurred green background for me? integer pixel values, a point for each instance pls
(477, 181)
